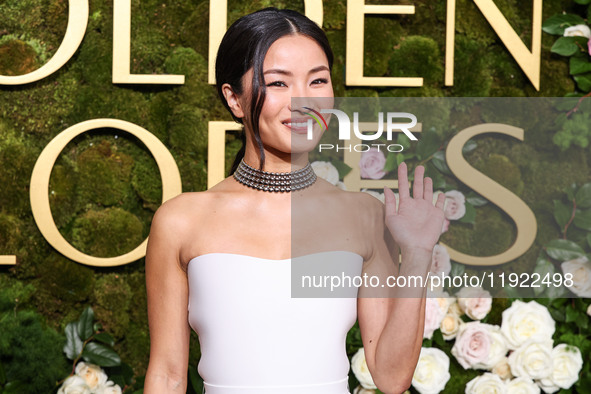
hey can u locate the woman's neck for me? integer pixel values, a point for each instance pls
(284, 162)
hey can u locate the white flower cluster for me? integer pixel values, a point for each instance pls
(532, 364)
(88, 379)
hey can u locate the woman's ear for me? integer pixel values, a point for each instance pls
(233, 100)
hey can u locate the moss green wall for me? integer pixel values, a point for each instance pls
(105, 186)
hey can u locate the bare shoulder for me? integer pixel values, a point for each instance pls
(179, 212)
(364, 204)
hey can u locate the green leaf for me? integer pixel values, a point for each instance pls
(74, 344)
(565, 46)
(195, 381)
(124, 372)
(564, 250)
(579, 65)
(440, 163)
(469, 146)
(342, 168)
(583, 196)
(399, 159)
(562, 213)
(557, 314)
(105, 338)
(391, 162)
(470, 215)
(583, 81)
(543, 267)
(428, 144)
(583, 219)
(476, 199)
(438, 338)
(84, 324)
(100, 355)
(583, 1)
(556, 24)
(571, 314)
(570, 191)
(589, 239)
(403, 140)
(117, 379)
(457, 269)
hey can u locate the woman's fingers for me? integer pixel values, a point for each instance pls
(417, 187)
(428, 189)
(390, 201)
(403, 188)
(440, 201)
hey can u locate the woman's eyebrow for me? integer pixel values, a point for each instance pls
(289, 73)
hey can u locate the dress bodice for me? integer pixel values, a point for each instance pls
(256, 338)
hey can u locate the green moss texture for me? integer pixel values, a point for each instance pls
(105, 185)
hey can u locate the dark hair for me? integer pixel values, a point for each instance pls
(245, 46)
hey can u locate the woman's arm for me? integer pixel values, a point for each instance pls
(167, 289)
(392, 327)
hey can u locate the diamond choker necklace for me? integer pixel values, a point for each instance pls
(274, 181)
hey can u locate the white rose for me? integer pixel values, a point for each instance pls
(436, 306)
(498, 347)
(445, 225)
(455, 205)
(578, 31)
(455, 308)
(580, 269)
(450, 326)
(92, 374)
(108, 388)
(379, 196)
(361, 390)
(503, 369)
(361, 371)
(488, 383)
(522, 386)
(432, 371)
(472, 345)
(532, 360)
(326, 170)
(475, 302)
(522, 321)
(566, 365)
(341, 185)
(440, 262)
(74, 385)
(549, 387)
(589, 310)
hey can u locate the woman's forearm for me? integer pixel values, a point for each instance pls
(158, 382)
(399, 345)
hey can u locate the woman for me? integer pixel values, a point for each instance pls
(218, 260)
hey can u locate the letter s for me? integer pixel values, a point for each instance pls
(521, 214)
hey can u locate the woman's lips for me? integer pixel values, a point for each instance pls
(299, 126)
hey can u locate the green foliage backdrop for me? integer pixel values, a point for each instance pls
(105, 185)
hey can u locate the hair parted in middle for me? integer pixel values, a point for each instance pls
(244, 46)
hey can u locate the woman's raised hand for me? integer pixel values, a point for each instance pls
(417, 222)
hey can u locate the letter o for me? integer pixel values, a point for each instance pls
(169, 172)
(361, 147)
(77, 21)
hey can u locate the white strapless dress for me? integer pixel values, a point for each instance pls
(256, 339)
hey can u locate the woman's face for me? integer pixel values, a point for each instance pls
(295, 66)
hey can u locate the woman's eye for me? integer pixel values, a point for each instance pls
(319, 81)
(277, 83)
